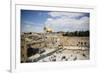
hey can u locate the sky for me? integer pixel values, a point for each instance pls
(35, 21)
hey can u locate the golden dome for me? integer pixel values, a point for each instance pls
(47, 29)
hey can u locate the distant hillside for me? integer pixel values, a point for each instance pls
(77, 33)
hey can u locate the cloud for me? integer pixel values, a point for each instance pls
(49, 19)
(31, 28)
(67, 21)
(59, 21)
(66, 14)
